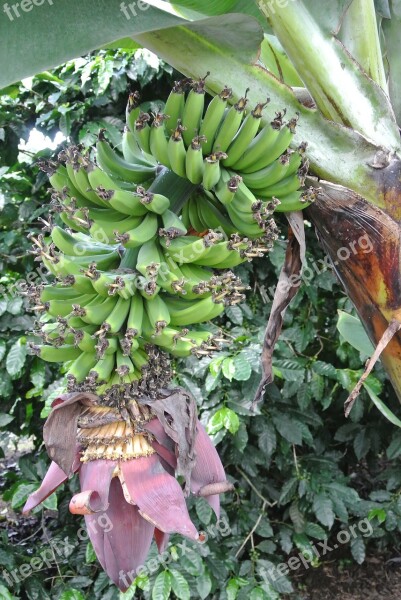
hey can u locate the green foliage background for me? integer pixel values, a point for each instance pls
(302, 472)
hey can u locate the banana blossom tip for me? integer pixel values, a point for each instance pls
(127, 502)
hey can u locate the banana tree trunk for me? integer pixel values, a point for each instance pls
(364, 245)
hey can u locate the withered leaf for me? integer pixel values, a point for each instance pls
(60, 429)
(176, 411)
(287, 287)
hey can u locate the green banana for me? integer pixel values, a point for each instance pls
(280, 145)
(73, 322)
(282, 167)
(197, 279)
(123, 201)
(140, 359)
(73, 223)
(62, 308)
(148, 263)
(157, 313)
(80, 283)
(57, 353)
(59, 180)
(282, 188)
(215, 254)
(125, 366)
(128, 344)
(83, 184)
(80, 368)
(156, 203)
(172, 225)
(246, 223)
(63, 266)
(230, 126)
(176, 151)
(133, 153)
(116, 165)
(245, 135)
(169, 276)
(296, 201)
(140, 234)
(185, 216)
(260, 146)
(212, 171)
(119, 281)
(231, 261)
(187, 312)
(189, 248)
(179, 343)
(102, 370)
(147, 287)
(212, 119)
(78, 167)
(97, 311)
(244, 200)
(57, 175)
(194, 165)
(77, 244)
(107, 230)
(175, 105)
(135, 315)
(158, 142)
(132, 110)
(87, 342)
(117, 317)
(57, 292)
(227, 187)
(193, 109)
(212, 217)
(196, 222)
(142, 133)
(54, 333)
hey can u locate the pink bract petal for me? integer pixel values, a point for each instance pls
(161, 539)
(167, 457)
(85, 503)
(208, 467)
(52, 480)
(96, 475)
(121, 538)
(158, 496)
(157, 430)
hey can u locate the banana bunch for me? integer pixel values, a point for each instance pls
(142, 239)
(226, 151)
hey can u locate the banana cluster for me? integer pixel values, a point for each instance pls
(151, 234)
(246, 171)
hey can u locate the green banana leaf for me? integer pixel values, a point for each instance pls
(45, 36)
(381, 406)
(353, 332)
(210, 8)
